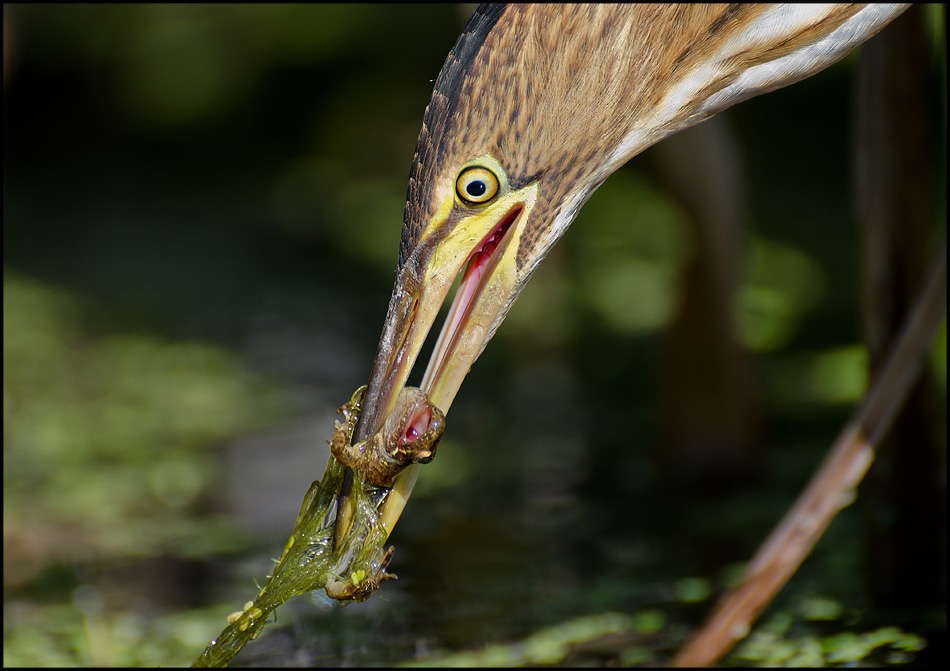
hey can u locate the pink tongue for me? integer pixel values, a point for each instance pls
(417, 426)
(474, 271)
(476, 267)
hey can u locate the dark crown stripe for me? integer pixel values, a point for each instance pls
(439, 113)
(466, 48)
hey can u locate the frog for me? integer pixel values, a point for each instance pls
(410, 434)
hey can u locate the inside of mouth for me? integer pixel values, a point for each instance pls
(467, 292)
(418, 425)
(477, 264)
(490, 243)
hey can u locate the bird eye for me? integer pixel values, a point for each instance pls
(476, 185)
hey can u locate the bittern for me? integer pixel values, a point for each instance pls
(535, 106)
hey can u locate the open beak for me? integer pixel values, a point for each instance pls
(483, 246)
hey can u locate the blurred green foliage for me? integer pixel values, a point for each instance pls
(101, 430)
(785, 640)
(202, 206)
(629, 258)
(106, 455)
(781, 285)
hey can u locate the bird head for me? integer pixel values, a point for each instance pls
(514, 141)
(533, 109)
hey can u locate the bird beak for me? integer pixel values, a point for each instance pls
(481, 245)
(485, 244)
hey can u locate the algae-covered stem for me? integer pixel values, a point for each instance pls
(353, 565)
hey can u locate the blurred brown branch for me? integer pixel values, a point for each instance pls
(832, 487)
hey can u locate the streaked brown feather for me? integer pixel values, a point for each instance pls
(552, 91)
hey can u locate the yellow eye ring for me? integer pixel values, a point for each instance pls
(476, 185)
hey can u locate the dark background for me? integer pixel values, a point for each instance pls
(201, 213)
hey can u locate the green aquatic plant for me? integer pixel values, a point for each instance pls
(345, 557)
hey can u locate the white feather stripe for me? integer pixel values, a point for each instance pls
(805, 61)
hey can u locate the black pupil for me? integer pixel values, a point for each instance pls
(476, 188)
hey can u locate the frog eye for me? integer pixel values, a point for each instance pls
(476, 185)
